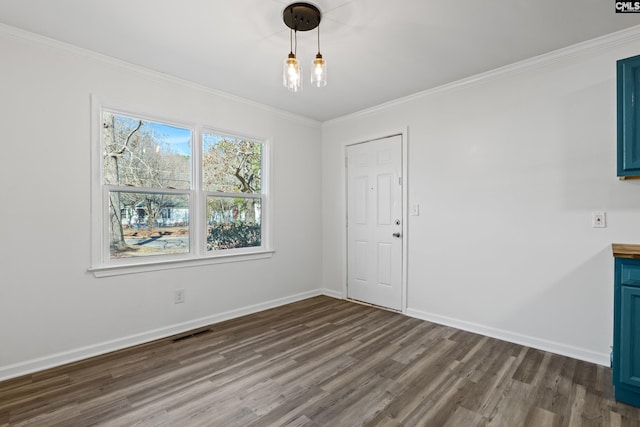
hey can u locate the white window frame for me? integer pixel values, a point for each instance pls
(102, 265)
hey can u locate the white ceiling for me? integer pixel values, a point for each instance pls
(376, 50)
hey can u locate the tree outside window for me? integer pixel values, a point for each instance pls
(232, 180)
(155, 160)
(149, 195)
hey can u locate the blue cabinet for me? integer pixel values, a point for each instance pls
(628, 82)
(626, 331)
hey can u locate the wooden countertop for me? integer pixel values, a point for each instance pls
(623, 250)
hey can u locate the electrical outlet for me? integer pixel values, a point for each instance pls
(598, 219)
(178, 296)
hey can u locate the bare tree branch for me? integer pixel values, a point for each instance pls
(126, 142)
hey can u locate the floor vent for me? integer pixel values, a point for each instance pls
(192, 334)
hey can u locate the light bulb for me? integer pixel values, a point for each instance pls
(291, 75)
(319, 74)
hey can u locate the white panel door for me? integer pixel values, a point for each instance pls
(374, 221)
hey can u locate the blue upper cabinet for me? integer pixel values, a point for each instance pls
(628, 80)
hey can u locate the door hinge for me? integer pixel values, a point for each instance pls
(399, 180)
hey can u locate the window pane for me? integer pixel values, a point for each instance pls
(233, 223)
(231, 165)
(143, 224)
(147, 154)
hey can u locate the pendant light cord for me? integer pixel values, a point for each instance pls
(291, 39)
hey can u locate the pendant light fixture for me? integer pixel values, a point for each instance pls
(302, 17)
(319, 72)
(292, 71)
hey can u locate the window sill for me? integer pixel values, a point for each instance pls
(116, 270)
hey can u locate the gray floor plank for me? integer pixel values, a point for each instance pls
(320, 362)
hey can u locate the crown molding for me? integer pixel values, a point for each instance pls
(39, 40)
(560, 55)
(600, 43)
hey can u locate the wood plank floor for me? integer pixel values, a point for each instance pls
(320, 362)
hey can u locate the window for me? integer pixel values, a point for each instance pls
(232, 180)
(172, 193)
(154, 159)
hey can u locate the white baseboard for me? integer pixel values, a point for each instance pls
(537, 343)
(58, 359)
(331, 293)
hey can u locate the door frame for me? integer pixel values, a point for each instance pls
(404, 133)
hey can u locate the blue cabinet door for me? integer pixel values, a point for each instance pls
(630, 336)
(626, 331)
(628, 83)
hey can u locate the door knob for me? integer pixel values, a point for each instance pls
(396, 234)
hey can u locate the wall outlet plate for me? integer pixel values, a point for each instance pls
(598, 219)
(178, 296)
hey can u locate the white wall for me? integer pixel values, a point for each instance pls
(51, 309)
(507, 168)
